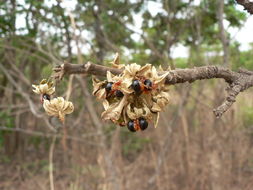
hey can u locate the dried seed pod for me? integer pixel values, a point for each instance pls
(58, 107)
(160, 101)
(114, 110)
(45, 87)
(98, 88)
(116, 62)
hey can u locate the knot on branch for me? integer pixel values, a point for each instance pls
(211, 71)
(58, 72)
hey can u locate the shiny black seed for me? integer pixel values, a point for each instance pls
(108, 87)
(148, 84)
(136, 85)
(130, 126)
(119, 94)
(46, 97)
(143, 123)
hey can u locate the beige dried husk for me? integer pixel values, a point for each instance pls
(132, 106)
(45, 87)
(116, 62)
(58, 107)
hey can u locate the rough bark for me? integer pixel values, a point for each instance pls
(247, 5)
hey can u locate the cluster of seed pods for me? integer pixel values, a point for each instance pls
(139, 86)
(133, 98)
(58, 106)
(45, 89)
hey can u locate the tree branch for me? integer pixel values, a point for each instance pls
(246, 4)
(237, 81)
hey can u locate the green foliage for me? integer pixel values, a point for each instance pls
(247, 112)
(46, 71)
(235, 17)
(180, 62)
(6, 121)
(241, 59)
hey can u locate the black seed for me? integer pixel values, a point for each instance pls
(119, 94)
(143, 123)
(108, 87)
(46, 97)
(148, 84)
(130, 126)
(136, 85)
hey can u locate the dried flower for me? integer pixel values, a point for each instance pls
(98, 88)
(58, 107)
(160, 101)
(45, 87)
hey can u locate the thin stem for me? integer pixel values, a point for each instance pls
(51, 166)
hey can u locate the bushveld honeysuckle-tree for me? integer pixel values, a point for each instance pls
(127, 82)
(133, 95)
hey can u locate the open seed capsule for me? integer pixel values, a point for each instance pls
(143, 123)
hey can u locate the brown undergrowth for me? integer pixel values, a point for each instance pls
(189, 150)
